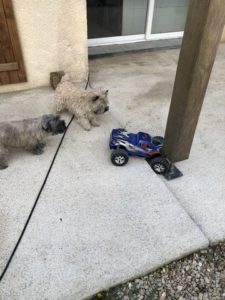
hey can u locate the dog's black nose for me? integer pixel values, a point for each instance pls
(106, 109)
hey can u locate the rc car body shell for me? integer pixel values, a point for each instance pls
(136, 144)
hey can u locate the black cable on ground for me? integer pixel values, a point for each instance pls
(37, 198)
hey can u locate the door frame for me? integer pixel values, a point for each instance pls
(147, 36)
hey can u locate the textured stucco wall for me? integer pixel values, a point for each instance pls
(53, 35)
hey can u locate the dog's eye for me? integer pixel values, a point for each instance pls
(95, 98)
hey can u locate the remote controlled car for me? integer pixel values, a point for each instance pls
(139, 144)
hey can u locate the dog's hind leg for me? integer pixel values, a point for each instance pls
(84, 123)
(3, 157)
(58, 105)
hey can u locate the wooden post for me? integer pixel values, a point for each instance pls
(203, 30)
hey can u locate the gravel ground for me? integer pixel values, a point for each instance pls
(200, 276)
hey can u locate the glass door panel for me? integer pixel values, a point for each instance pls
(104, 18)
(111, 18)
(169, 16)
(134, 17)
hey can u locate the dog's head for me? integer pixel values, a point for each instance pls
(99, 102)
(52, 124)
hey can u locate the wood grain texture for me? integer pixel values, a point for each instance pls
(203, 30)
(9, 67)
(11, 23)
(10, 50)
(7, 50)
(4, 43)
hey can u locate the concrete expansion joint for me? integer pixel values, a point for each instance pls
(188, 213)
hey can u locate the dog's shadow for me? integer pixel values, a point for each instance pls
(161, 90)
(19, 155)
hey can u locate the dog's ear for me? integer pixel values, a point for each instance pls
(94, 98)
(45, 122)
(65, 78)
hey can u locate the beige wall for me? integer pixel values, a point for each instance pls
(53, 35)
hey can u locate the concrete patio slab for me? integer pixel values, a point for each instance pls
(146, 82)
(21, 182)
(202, 190)
(140, 87)
(96, 225)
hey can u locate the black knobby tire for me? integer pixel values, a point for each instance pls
(119, 157)
(159, 139)
(160, 165)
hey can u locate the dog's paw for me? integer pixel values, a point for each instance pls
(41, 145)
(95, 123)
(85, 124)
(37, 151)
(87, 128)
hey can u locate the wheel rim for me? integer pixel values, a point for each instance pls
(119, 160)
(159, 168)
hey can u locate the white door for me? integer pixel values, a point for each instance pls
(166, 19)
(123, 21)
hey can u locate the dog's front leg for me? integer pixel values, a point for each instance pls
(94, 121)
(38, 149)
(41, 145)
(84, 123)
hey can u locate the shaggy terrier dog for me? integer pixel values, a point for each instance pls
(84, 104)
(28, 134)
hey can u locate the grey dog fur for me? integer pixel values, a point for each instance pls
(28, 134)
(84, 104)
